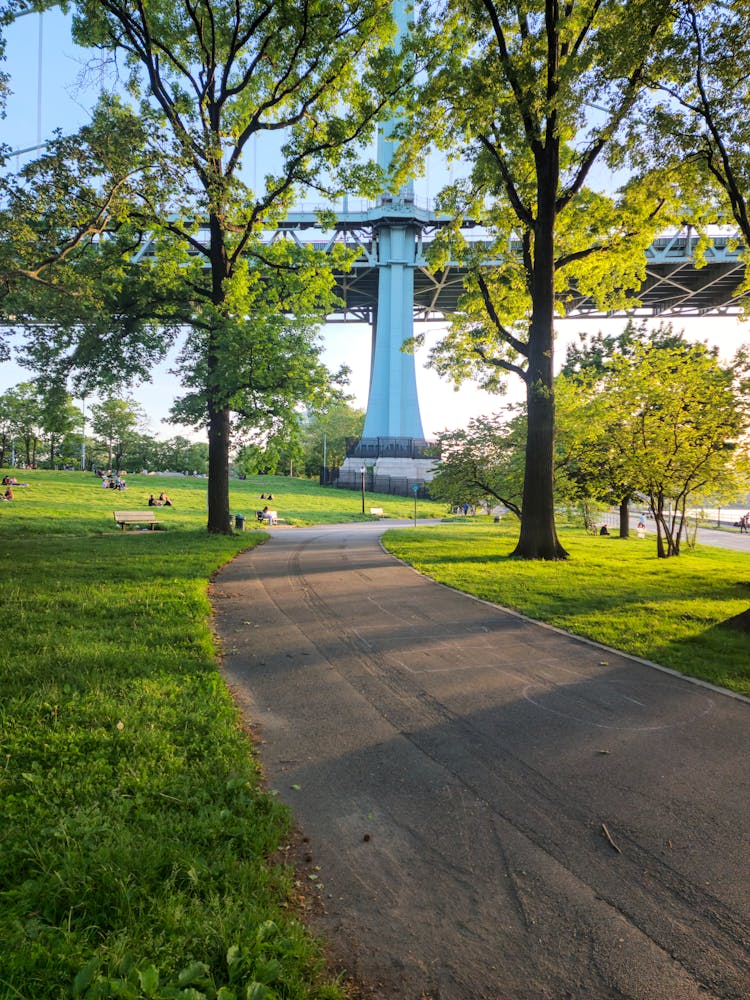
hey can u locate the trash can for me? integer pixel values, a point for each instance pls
(239, 522)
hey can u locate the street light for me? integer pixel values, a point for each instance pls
(83, 434)
(362, 471)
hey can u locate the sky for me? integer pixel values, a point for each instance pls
(52, 86)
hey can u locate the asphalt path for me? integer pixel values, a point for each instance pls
(491, 809)
(715, 537)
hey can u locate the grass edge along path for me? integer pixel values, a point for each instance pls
(138, 843)
(613, 591)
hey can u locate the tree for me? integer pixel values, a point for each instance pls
(210, 79)
(115, 422)
(705, 75)
(181, 455)
(673, 420)
(587, 458)
(22, 405)
(482, 462)
(219, 74)
(278, 450)
(58, 417)
(326, 433)
(534, 94)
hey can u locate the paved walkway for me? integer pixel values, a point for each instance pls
(721, 539)
(494, 810)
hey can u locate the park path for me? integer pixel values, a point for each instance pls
(493, 810)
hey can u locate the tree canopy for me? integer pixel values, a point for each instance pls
(534, 94)
(482, 462)
(663, 419)
(703, 77)
(206, 81)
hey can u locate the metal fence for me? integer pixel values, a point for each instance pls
(391, 447)
(350, 479)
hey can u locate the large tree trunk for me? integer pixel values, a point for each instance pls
(625, 516)
(538, 538)
(219, 423)
(219, 518)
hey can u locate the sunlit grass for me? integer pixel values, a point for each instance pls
(136, 836)
(137, 841)
(611, 590)
(74, 503)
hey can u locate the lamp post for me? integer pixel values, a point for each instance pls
(83, 433)
(362, 471)
(415, 488)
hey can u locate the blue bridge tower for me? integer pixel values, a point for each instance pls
(393, 441)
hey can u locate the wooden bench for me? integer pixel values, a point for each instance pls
(123, 517)
(377, 512)
(271, 516)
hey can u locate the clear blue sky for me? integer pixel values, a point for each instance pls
(56, 92)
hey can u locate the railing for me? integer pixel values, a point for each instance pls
(350, 479)
(390, 447)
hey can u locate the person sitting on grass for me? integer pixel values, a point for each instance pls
(164, 500)
(8, 495)
(153, 502)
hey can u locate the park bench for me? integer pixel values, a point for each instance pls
(270, 516)
(377, 512)
(123, 517)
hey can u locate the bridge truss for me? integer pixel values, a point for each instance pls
(675, 286)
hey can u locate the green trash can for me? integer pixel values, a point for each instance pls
(239, 522)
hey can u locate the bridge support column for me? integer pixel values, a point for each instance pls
(393, 405)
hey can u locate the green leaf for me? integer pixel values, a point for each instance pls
(268, 971)
(192, 973)
(266, 931)
(149, 980)
(84, 977)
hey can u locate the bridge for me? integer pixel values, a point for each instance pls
(391, 285)
(675, 286)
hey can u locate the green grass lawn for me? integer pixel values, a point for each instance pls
(138, 845)
(612, 590)
(136, 837)
(73, 503)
